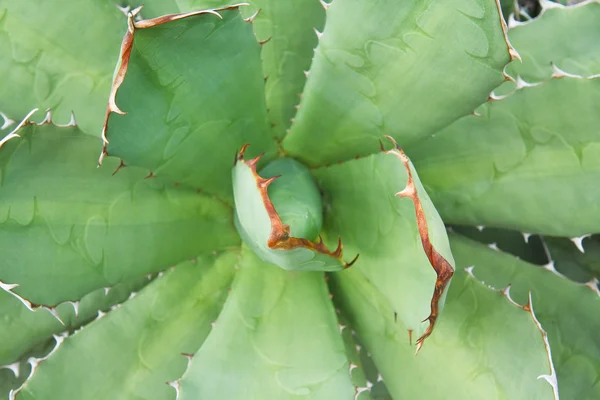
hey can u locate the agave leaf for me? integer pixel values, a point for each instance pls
(285, 30)
(276, 338)
(484, 346)
(193, 93)
(131, 352)
(404, 68)
(361, 205)
(42, 65)
(565, 37)
(567, 310)
(24, 329)
(577, 258)
(13, 375)
(263, 229)
(68, 228)
(524, 164)
(289, 28)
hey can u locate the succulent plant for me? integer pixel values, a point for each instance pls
(255, 213)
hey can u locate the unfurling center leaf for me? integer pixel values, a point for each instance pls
(279, 215)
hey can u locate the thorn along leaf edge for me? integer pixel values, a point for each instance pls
(441, 266)
(125, 54)
(279, 238)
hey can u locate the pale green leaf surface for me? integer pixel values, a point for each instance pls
(571, 262)
(565, 36)
(484, 347)
(569, 312)
(361, 207)
(403, 68)
(68, 227)
(22, 329)
(254, 226)
(193, 94)
(289, 26)
(59, 54)
(276, 338)
(527, 163)
(131, 352)
(9, 380)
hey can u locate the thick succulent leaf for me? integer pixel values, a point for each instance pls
(483, 348)
(526, 163)
(192, 94)
(361, 205)
(567, 310)
(577, 258)
(276, 338)
(132, 351)
(68, 227)
(266, 233)
(564, 36)
(42, 65)
(289, 26)
(23, 329)
(403, 68)
(285, 30)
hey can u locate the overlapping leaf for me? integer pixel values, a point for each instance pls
(526, 163)
(68, 227)
(361, 206)
(484, 346)
(567, 311)
(193, 94)
(59, 55)
(276, 338)
(131, 352)
(405, 69)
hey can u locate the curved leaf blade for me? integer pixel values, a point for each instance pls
(46, 68)
(193, 94)
(132, 351)
(563, 36)
(567, 310)
(362, 205)
(405, 69)
(483, 347)
(67, 227)
(525, 164)
(276, 338)
(22, 329)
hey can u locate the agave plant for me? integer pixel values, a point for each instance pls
(254, 226)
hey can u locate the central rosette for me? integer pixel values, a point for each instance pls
(279, 215)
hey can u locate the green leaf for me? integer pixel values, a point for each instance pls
(563, 36)
(289, 28)
(67, 227)
(265, 231)
(286, 30)
(193, 94)
(405, 69)
(526, 163)
(362, 207)
(568, 311)
(484, 346)
(131, 352)
(577, 258)
(23, 329)
(276, 338)
(59, 55)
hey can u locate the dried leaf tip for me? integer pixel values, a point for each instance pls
(440, 265)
